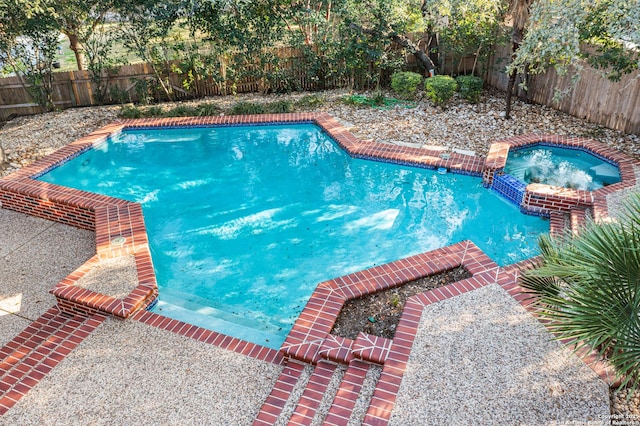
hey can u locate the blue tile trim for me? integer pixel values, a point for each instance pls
(59, 163)
(509, 187)
(213, 125)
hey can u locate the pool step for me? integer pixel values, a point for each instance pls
(33, 353)
(328, 396)
(173, 306)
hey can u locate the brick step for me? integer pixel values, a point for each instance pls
(348, 392)
(272, 408)
(327, 394)
(313, 394)
(33, 353)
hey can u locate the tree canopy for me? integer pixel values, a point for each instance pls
(358, 41)
(563, 34)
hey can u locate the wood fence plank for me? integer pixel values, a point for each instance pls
(614, 105)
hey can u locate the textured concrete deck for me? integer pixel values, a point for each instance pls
(35, 255)
(475, 353)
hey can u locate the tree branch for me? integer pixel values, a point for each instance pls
(401, 40)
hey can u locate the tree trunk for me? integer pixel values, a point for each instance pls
(403, 41)
(3, 158)
(516, 39)
(78, 50)
(424, 59)
(512, 82)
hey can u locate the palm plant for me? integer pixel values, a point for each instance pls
(588, 287)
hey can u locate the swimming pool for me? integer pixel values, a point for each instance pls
(245, 221)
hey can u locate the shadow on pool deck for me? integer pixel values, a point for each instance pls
(35, 255)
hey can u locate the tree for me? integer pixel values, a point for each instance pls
(519, 12)
(28, 45)
(78, 19)
(242, 36)
(143, 28)
(565, 34)
(381, 21)
(465, 28)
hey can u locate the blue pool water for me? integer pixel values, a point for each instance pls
(558, 166)
(244, 222)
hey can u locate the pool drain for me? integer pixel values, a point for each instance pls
(118, 241)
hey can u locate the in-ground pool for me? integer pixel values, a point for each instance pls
(245, 221)
(558, 166)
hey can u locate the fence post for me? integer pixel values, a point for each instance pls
(74, 90)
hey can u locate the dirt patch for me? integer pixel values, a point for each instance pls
(378, 313)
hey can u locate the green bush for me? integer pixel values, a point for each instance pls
(405, 83)
(130, 112)
(153, 111)
(470, 87)
(208, 109)
(310, 101)
(182, 111)
(440, 88)
(280, 107)
(376, 100)
(244, 108)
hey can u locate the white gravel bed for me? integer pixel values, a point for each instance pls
(616, 201)
(459, 126)
(480, 358)
(128, 373)
(329, 395)
(115, 277)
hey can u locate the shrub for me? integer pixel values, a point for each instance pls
(376, 100)
(470, 87)
(405, 84)
(129, 111)
(182, 111)
(587, 286)
(154, 111)
(244, 108)
(440, 89)
(208, 109)
(310, 101)
(279, 107)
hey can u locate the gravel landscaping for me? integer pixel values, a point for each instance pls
(460, 125)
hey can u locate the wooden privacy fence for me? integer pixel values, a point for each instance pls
(615, 105)
(611, 104)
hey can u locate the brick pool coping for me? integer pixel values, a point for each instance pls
(120, 230)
